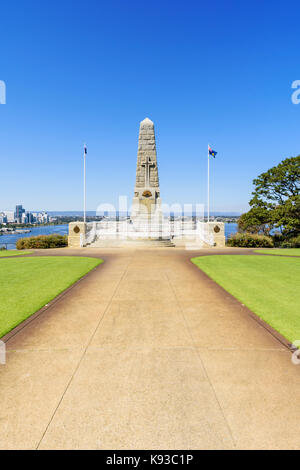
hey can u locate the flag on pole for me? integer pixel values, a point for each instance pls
(85, 149)
(212, 152)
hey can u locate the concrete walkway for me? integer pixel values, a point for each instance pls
(147, 353)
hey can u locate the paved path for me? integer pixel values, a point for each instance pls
(147, 352)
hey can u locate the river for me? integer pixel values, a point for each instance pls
(10, 240)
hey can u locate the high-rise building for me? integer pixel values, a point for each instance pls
(3, 218)
(10, 216)
(19, 212)
(30, 218)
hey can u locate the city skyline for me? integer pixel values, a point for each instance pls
(118, 210)
(22, 216)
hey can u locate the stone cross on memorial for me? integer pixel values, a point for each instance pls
(147, 163)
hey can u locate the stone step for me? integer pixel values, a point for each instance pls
(106, 243)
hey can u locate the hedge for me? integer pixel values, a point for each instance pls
(42, 241)
(293, 242)
(249, 240)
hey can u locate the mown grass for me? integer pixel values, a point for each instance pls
(27, 284)
(280, 251)
(267, 285)
(8, 253)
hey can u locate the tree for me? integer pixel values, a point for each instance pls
(255, 221)
(276, 200)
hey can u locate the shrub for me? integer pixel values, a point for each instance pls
(20, 245)
(293, 242)
(249, 240)
(42, 241)
(277, 239)
(2, 248)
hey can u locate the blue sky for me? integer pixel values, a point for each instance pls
(217, 72)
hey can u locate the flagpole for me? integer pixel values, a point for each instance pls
(208, 184)
(84, 183)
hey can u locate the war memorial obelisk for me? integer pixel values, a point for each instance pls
(146, 202)
(147, 225)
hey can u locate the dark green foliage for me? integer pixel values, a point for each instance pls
(293, 242)
(256, 220)
(249, 240)
(42, 241)
(278, 239)
(276, 201)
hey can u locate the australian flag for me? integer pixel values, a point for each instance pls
(85, 149)
(212, 152)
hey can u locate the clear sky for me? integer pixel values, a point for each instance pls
(90, 71)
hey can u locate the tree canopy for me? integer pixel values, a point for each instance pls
(276, 200)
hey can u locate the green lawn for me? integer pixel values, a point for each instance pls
(6, 253)
(267, 285)
(27, 284)
(280, 251)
